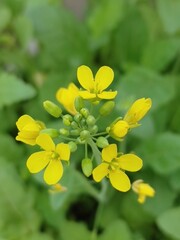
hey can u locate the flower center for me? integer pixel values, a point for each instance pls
(114, 165)
(54, 156)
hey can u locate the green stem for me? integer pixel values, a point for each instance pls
(67, 138)
(95, 150)
(99, 134)
(86, 150)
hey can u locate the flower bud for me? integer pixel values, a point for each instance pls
(78, 103)
(72, 146)
(90, 120)
(77, 117)
(119, 129)
(93, 129)
(84, 112)
(85, 134)
(102, 142)
(51, 132)
(87, 166)
(52, 108)
(80, 141)
(106, 108)
(64, 131)
(74, 125)
(75, 132)
(67, 119)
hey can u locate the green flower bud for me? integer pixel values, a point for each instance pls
(93, 129)
(90, 120)
(52, 108)
(84, 112)
(75, 132)
(84, 134)
(87, 166)
(83, 122)
(106, 108)
(51, 132)
(80, 141)
(102, 142)
(78, 103)
(74, 125)
(78, 117)
(67, 119)
(72, 146)
(64, 131)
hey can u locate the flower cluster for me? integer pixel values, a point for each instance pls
(102, 159)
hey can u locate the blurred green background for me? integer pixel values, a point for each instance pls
(42, 42)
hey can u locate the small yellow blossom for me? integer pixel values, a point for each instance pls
(29, 129)
(119, 129)
(67, 96)
(137, 111)
(143, 190)
(57, 188)
(50, 159)
(94, 87)
(114, 167)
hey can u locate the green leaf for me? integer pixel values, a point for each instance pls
(169, 13)
(161, 153)
(159, 54)
(169, 221)
(141, 82)
(127, 46)
(14, 90)
(72, 230)
(117, 230)
(5, 17)
(105, 16)
(63, 39)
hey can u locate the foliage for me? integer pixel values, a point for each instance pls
(42, 43)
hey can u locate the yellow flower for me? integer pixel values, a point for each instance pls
(94, 87)
(114, 166)
(137, 111)
(67, 96)
(29, 129)
(143, 190)
(119, 129)
(50, 159)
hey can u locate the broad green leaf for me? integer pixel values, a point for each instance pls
(63, 39)
(23, 29)
(169, 221)
(169, 13)
(5, 17)
(161, 153)
(118, 229)
(74, 230)
(159, 54)
(17, 215)
(105, 16)
(129, 40)
(140, 82)
(14, 90)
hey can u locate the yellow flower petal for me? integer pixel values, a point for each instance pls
(37, 161)
(120, 129)
(63, 150)
(119, 180)
(85, 77)
(53, 172)
(27, 141)
(100, 172)
(104, 78)
(45, 142)
(130, 162)
(107, 95)
(141, 198)
(23, 121)
(109, 152)
(87, 95)
(67, 97)
(137, 111)
(146, 189)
